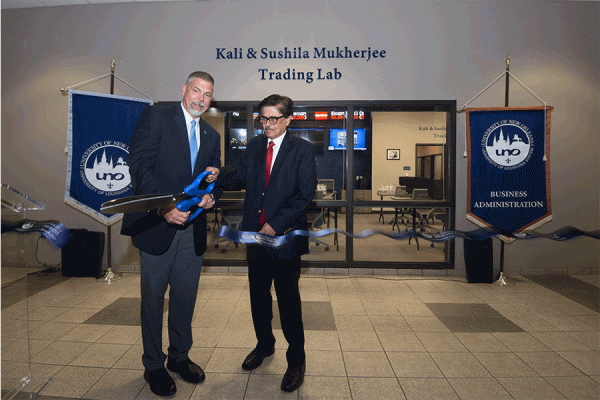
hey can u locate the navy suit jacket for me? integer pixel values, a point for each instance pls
(291, 188)
(160, 162)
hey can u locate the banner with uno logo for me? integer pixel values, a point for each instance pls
(508, 167)
(100, 126)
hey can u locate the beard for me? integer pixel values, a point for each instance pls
(195, 112)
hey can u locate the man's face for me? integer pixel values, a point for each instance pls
(274, 130)
(196, 96)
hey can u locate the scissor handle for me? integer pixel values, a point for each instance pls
(198, 211)
(194, 190)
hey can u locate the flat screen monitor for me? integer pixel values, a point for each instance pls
(238, 138)
(314, 135)
(337, 139)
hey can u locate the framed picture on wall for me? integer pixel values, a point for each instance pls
(393, 154)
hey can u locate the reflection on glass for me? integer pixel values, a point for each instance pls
(419, 138)
(399, 155)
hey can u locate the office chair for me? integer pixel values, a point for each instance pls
(399, 194)
(329, 188)
(315, 219)
(426, 214)
(231, 218)
(330, 194)
(231, 215)
(441, 215)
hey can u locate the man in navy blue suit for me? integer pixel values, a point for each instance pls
(170, 147)
(279, 171)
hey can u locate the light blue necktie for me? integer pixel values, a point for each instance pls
(193, 144)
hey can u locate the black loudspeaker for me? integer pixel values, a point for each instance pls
(479, 260)
(82, 256)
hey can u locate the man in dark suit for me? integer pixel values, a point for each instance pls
(275, 204)
(170, 147)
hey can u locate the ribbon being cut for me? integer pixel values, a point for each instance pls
(196, 188)
(562, 234)
(52, 230)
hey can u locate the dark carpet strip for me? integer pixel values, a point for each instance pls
(581, 292)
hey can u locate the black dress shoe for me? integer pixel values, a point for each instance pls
(188, 370)
(160, 382)
(256, 357)
(293, 378)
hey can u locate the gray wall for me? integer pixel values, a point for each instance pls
(446, 50)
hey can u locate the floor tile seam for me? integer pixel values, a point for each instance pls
(52, 342)
(570, 333)
(343, 359)
(491, 375)
(558, 294)
(246, 385)
(499, 383)
(92, 387)
(551, 346)
(566, 395)
(589, 328)
(106, 370)
(509, 377)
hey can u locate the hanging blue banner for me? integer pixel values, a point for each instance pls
(100, 126)
(508, 168)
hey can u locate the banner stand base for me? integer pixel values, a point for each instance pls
(501, 281)
(110, 276)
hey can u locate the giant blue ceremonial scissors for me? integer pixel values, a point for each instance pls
(191, 196)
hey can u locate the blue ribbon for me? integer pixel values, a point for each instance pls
(52, 230)
(566, 233)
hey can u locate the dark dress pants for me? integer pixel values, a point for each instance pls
(263, 270)
(179, 269)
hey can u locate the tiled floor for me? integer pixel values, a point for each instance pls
(367, 337)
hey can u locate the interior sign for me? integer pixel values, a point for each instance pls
(298, 53)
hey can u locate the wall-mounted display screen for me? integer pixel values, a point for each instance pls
(314, 135)
(238, 138)
(337, 139)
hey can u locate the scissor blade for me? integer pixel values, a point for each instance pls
(140, 203)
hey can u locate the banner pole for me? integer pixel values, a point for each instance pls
(112, 76)
(109, 275)
(501, 278)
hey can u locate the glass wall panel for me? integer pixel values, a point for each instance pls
(409, 170)
(325, 127)
(399, 170)
(232, 125)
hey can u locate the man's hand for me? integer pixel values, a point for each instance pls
(215, 174)
(267, 230)
(207, 201)
(174, 216)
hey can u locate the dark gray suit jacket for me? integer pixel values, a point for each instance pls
(160, 162)
(291, 188)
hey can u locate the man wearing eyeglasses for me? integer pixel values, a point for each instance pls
(281, 177)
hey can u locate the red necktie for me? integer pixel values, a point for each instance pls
(267, 175)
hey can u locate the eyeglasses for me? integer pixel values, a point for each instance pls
(272, 120)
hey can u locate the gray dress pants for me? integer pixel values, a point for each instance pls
(179, 269)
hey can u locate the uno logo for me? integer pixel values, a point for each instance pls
(104, 167)
(507, 145)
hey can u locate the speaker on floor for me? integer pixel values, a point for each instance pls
(479, 260)
(82, 256)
